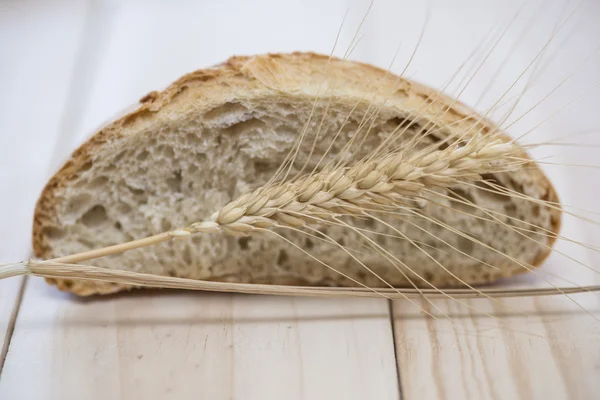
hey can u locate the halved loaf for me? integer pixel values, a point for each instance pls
(217, 133)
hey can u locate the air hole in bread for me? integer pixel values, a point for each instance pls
(130, 119)
(53, 233)
(369, 222)
(462, 201)
(86, 243)
(262, 167)
(98, 182)
(308, 244)
(286, 108)
(362, 275)
(174, 183)
(136, 192)
(490, 193)
(282, 257)
(109, 168)
(78, 203)
(166, 152)
(511, 211)
(465, 245)
(245, 126)
(493, 197)
(321, 232)
(193, 138)
(428, 276)
(515, 186)
(123, 208)
(142, 155)
(225, 113)
(119, 157)
(187, 255)
(398, 123)
(95, 216)
(118, 226)
(165, 225)
(200, 159)
(86, 166)
(193, 167)
(243, 242)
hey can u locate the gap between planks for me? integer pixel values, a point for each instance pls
(393, 328)
(10, 328)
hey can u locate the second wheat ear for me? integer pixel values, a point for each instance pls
(366, 180)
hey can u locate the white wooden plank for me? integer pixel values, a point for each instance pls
(552, 354)
(38, 42)
(199, 346)
(494, 352)
(190, 345)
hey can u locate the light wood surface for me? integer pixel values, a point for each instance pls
(68, 66)
(184, 345)
(495, 353)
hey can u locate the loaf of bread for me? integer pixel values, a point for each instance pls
(219, 132)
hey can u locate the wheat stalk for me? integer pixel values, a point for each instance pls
(51, 269)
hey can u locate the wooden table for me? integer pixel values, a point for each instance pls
(67, 66)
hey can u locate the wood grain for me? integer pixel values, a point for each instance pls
(189, 345)
(550, 354)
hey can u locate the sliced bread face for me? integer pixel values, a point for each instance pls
(217, 133)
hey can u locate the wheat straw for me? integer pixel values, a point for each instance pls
(50, 269)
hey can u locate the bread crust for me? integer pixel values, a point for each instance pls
(283, 74)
